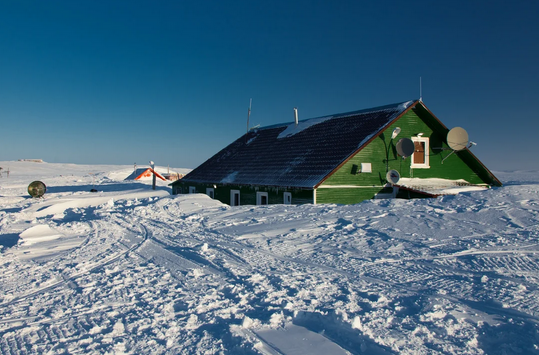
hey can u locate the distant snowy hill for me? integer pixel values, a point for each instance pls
(131, 270)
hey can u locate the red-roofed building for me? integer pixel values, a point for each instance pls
(142, 173)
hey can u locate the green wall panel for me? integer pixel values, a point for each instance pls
(247, 193)
(347, 196)
(382, 154)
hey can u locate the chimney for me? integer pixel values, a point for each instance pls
(296, 115)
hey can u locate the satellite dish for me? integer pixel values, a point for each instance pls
(457, 138)
(393, 176)
(405, 147)
(396, 131)
(37, 189)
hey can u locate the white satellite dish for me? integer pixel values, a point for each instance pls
(396, 131)
(393, 176)
(457, 138)
(405, 147)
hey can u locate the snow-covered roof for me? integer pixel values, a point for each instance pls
(141, 173)
(296, 156)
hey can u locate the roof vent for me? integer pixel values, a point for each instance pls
(296, 115)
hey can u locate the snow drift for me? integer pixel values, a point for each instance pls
(135, 271)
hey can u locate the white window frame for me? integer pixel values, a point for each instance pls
(426, 164)
(192, 190)
(287, 198)
(259, 196)
(232, 194)
(210, 192)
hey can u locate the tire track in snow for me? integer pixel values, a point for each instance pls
(454, 287)
(53, 334)
(369, 274)
(65, 280)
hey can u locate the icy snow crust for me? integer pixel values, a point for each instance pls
(143, 272)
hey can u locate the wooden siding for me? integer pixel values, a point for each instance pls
(382, 155)
(347, 196)
(247, 193)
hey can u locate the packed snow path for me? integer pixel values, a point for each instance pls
(132, 270)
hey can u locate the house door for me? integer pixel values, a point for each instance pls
(210, 192)
(419, 153)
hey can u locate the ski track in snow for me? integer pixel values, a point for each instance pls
(136, 271)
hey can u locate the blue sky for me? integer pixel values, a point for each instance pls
(115, 82)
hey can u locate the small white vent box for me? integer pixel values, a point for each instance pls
(366, 168)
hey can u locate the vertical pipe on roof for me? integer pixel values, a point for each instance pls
(296, 115)
(249, 114)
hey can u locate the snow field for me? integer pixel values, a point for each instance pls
(146, 272)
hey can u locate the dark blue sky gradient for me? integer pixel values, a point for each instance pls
(110, 82)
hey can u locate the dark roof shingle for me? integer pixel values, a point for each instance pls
(295, 156)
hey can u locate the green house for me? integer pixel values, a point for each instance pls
(394, 151)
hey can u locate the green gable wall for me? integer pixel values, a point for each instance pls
(382, 155)
(247, 193)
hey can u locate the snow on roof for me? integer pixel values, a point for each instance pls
(229, 178)
(141, 173)
(293, 129)
(406, 104)
(437, 186)
(295, 156)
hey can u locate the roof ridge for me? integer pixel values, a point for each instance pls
(404, 105)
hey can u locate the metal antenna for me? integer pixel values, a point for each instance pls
(420, 91)
(249, 114)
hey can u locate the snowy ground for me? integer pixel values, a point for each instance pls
(137, 271)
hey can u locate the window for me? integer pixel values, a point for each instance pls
(287, 198)
(210, 192)
(261, 198)
(192, 190)
(420, 157)
(234, 197)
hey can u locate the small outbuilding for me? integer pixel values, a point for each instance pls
(142, 173)
(399, 150)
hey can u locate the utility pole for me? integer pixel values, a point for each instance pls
(152, 165)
